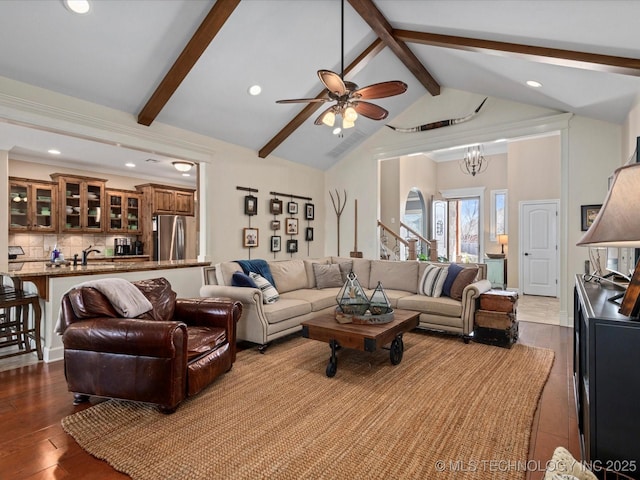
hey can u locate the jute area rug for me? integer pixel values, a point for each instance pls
(448, 410)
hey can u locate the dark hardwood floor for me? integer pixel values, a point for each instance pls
(34, 398)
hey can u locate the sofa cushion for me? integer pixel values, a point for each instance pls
(225, 271)
(452, 274)
(464, 278)
(308, 268)
(319, 299)
(269, 293)
(327, 276)
(394, 275)
(345, 269)
(241, 279)
(392, 295)
(288, 275)
(432, 280)
(285, 309)
(445, 306)
(360, 266)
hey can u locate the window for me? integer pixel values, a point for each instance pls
(498, 215)
(456, 224)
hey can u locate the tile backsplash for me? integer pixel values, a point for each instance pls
(40, 245)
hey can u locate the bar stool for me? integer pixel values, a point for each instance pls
(15, 328)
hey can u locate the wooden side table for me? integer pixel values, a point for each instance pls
(496, 322)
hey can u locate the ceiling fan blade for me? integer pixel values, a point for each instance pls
(304, 100)
(333, 82)
(370, 110)
(381, 90)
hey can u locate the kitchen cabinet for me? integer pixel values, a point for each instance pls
(81, 205)
(32, 205)
(606, 378)
(123, 211)
(166, 200)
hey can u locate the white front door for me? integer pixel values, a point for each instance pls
(539, 247)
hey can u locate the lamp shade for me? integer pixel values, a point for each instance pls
(503, 239)
(618, 222)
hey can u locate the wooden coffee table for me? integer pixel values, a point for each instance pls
(366, 338)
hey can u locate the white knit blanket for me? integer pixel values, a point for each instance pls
(125, 297)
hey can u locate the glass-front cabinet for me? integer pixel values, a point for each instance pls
(32, 205)
(82, 209)
(123, 212)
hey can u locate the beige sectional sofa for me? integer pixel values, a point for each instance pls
(300, 299)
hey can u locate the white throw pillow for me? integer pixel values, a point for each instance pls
(432, 280)
(269, 292)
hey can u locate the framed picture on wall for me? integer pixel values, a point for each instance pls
(292, 246)
(291, 226)
(275, 206)
(309, 211)
(250, 205)
(588, 214)
(276, 243)
(308, 234)
(275, 224)
(292, 208)
(249, 237)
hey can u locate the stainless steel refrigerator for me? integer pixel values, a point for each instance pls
(174, 237)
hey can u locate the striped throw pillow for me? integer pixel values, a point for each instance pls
(269, 292)
(432, 281)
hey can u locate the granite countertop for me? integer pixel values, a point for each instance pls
(92, 258)
(40, 269)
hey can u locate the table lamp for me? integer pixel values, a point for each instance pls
(618, 225)
(503, 240)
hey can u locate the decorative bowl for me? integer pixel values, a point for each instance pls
(69, 209)
(495, 255)
(76, 209)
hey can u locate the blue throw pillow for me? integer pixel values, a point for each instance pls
(240, 279)
(454, 270)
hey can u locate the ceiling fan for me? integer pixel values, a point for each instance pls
(348, 97)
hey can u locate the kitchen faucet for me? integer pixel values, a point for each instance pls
(86, 252)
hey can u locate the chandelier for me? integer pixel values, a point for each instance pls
(473, 161)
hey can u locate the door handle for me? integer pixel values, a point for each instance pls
(526, 254)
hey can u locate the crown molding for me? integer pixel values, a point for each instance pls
(126, 133)
(522, 128)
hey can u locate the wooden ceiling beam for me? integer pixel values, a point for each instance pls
(352, 69)
(201, 39)
(379, 24)
(555, 56)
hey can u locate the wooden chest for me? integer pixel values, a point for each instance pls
(497, 320)
(492, 336)
(499, 301)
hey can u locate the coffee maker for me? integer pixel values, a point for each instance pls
(122, 246)
(137, 248)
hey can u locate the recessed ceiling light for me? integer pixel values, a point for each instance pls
(53, 151)
(534, 84)
(130, 164)
(80, 7)
(255, 90)
(186, 174)
(337, 130)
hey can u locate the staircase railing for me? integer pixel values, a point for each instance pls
(430, 246)
(403, 245)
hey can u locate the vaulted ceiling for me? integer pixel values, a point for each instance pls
(189, 63)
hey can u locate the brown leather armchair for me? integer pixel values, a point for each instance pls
(162, 356)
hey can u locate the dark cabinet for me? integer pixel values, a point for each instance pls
(607, 379)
